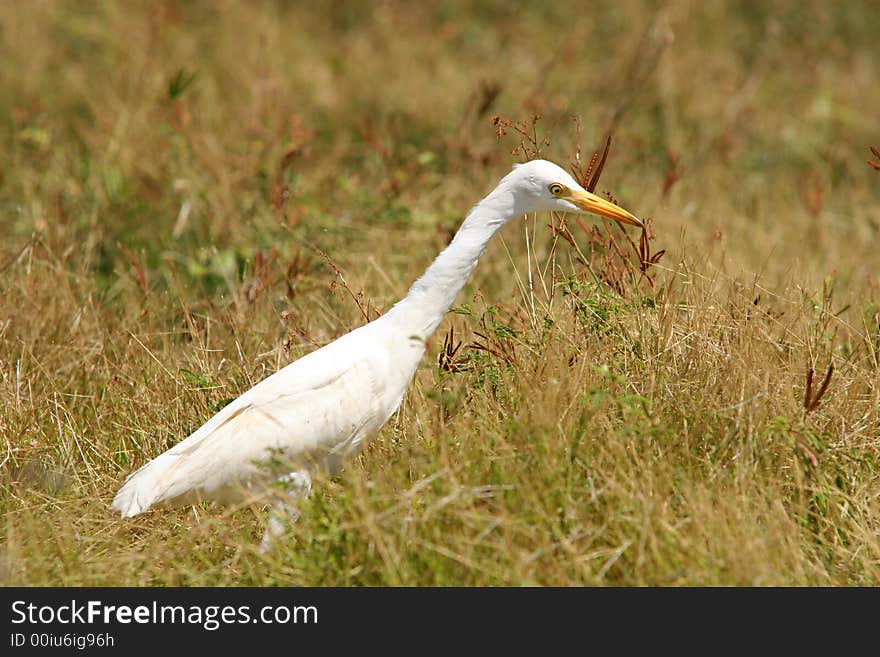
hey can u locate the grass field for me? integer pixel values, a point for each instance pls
(193, 194)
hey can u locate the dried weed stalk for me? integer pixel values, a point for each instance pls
(530, 146)
(265, 273)
(607, 258)
(449, 360)
(811, 401)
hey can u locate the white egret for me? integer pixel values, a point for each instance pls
(326, 406)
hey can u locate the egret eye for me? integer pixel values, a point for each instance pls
(556, 189)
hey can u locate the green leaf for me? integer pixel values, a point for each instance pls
(180, 82)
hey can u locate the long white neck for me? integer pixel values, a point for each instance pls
(431, 296)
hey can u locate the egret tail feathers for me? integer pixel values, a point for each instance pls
(142, 489)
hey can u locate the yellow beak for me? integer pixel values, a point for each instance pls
(597, 205)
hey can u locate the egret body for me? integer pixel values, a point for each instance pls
(325, 407)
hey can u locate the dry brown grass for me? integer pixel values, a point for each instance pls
(173, 175)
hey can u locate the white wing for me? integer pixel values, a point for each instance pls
(314, 411)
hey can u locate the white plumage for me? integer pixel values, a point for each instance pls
(324, 407)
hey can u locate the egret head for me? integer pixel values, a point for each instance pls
(541, 186)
